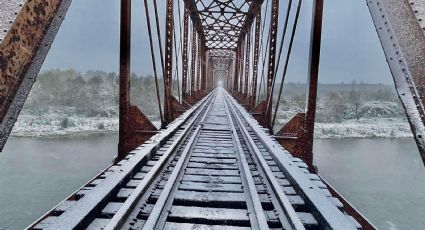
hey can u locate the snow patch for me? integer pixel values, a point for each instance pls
(364, 128)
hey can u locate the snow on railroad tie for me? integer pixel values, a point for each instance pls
(215, 168)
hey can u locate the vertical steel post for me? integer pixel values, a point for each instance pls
(203, 68)
(247, 62)
(231, 73)
(256, 57)
(184, 54)
(242, 63)
(313, 70)
(236, 73)
(272, 62)
(168, 77)
(198, 72)
(125, 41)
(193, 65)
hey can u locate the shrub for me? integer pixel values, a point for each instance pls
(101, 126)
(66, 123)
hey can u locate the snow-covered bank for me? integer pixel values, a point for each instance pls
(364, 128)
(59, 124)
(56, 124)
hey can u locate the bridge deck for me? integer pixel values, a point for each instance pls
(213, 168)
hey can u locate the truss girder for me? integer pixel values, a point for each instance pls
(223, 22)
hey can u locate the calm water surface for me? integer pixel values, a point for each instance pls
(383, 178)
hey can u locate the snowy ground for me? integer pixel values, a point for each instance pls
(52, 124)
(365, 128)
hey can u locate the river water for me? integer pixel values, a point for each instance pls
(383, 178)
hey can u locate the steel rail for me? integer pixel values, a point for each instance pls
(120, 217)
(252, 190)
(328, 215)
(283, 200)
(157, 210)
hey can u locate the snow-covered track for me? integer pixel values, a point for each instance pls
(218, 169)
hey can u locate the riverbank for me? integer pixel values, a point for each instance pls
(364, 128)
(53, 124)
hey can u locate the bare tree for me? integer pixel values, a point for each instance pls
(354, 98)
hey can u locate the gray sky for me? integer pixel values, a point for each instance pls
(89, 40)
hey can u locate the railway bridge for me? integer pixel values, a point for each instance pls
(217, 161)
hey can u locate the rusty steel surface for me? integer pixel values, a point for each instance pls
(241, 67)
(168, 75)
(222, 21)
(124, 86)
(9, 10)
(26, 38)
(400, 28)
(193, 64)
(134, 127)
(185, 53)
(247, 63)
(256, 57)
(313, 71)
(271, 67)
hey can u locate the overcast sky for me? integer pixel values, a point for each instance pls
(89, 40)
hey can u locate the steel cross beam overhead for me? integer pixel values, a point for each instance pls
(223, 23)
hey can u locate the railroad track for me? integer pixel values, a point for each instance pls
(215, 168)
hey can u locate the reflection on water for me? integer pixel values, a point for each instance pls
(385, 179)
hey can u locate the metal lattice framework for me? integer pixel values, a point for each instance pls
(222, 23)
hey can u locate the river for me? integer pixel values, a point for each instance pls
(383, 178)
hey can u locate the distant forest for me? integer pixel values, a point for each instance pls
(96, 94)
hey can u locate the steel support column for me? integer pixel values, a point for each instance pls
(168, 76)
(125, 54)
(198, 68)
(272, 63)
(134, 127)
(256, 58)
(242, 68)
(203, 68)
(193, 65)
(236, 72)
(185, 54)
(247, 64)
(313, 71)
